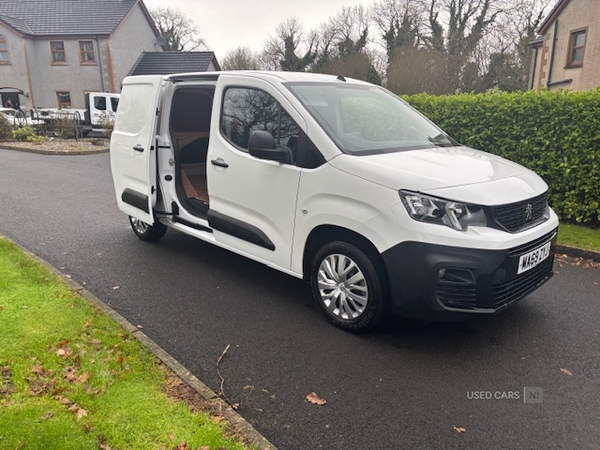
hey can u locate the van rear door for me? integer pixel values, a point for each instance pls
(133, 147)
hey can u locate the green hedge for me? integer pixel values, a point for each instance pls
(556, 134)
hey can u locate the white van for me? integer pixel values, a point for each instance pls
(336, 181)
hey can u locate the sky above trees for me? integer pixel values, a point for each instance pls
(228, 24)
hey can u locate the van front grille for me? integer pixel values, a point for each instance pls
(521, 215)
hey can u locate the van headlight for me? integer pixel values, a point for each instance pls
(459, 216)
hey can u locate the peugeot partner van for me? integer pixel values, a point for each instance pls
(335, 181)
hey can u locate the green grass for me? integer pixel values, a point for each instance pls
(71, 378)
(579, 236)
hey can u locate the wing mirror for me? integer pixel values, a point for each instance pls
(262, 145)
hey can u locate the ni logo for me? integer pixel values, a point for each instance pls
(528, 212)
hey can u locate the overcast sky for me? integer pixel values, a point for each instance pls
(228, 24)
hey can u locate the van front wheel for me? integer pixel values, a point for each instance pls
(346, 285)
(147, 232)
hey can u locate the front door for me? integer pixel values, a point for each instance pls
(252, 201)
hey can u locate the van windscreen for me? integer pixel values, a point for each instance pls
(364, 119)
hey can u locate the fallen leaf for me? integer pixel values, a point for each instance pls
(63, 343)
(116, 287)
(1, 308)
(78, 410)
(83, 378)
(315, 399)
(459, 429)
(120, 359)
(69, 374)
(64, 353)
(46, 416)
(63, 400)
(567, 372)
(139, 327)
(171, 437)
(37, 369)
(182, 446)
(235, 406)
(87, 323)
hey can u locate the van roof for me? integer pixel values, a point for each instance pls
(280, 77)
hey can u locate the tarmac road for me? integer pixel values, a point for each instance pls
(407, 385)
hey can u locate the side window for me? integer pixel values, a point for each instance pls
(58, 52)
(4, 57)
(246, 110)
(114, 102)
(576, 51)
(87, 55)
(100, 103)
(64, 99)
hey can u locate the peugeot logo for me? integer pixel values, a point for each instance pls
(528, 212)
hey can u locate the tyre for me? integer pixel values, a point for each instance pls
(347, 283)
(147, 232)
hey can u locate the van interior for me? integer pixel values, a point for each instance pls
(190, 131)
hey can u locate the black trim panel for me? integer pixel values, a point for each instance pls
(474, 281)
(239, 229)
(135, 198)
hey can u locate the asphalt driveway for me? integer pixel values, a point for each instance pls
(528, 379)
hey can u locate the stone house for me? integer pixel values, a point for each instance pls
(53, 51)
(566, 55)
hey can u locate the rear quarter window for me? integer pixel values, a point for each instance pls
(135, 108)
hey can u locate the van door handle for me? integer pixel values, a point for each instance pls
(138, 148)
(219, 162)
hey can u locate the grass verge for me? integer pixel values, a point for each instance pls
(71, 378)
(579, 236)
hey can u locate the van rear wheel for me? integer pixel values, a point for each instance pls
(347, 286)
(147, 232)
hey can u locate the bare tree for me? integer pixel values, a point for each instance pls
(467, 23)
(180, 32)
(506, 56)
(400, 23)
(241, 58)
(290, 49)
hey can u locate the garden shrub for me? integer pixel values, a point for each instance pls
(556, 134)
(5, 128)
(26, 133)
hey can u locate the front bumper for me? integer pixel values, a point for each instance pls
(437, 282)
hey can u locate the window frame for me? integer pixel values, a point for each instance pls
(83, 52)
(5, 51)
(54, 52)
(573, 34)
(62, 105)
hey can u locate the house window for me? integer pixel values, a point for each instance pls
(4, 59)
(86, 52)
(576, 48)
(64, 99)
(58, 52)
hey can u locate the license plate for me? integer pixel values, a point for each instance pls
(533, 258)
